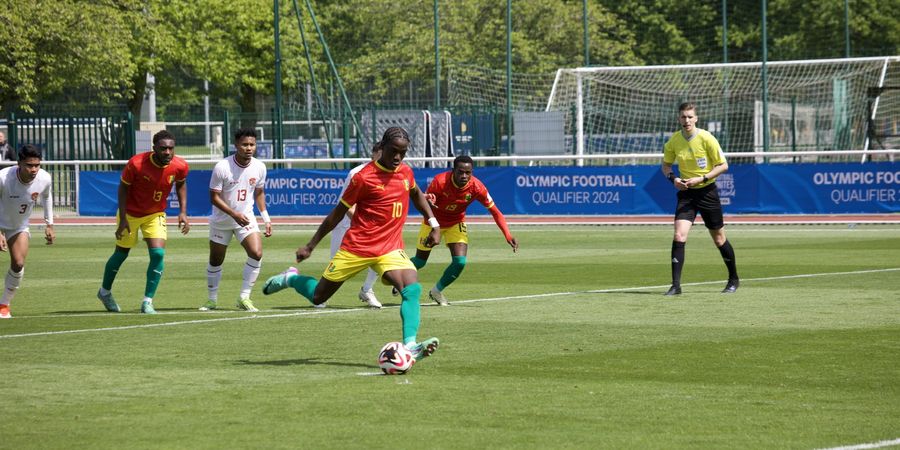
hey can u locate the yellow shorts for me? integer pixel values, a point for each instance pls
(152, 226)
(455, 234)
(344, 265)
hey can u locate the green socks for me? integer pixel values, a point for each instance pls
(112, 268)
(154, 271)
(452, 272)
(419, 263)
(409, 311)
(304, 285)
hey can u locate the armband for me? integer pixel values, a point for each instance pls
(433, 222)
(671, 177)
(265, 216)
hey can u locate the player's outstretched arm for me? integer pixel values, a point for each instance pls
(331, 221)
(501, 223)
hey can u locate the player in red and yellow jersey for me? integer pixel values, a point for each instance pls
(143, 192)
(450, 193)
(381, 192)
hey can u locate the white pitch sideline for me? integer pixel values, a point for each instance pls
(352, 310)
(879, 444)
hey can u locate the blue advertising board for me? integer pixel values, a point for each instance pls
(744, 189)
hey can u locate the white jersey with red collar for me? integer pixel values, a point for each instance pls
(17, 199)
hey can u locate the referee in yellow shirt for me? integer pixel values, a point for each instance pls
(700, 160)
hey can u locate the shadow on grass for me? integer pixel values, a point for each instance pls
(301, 362)
(125, 310)
(307, 307)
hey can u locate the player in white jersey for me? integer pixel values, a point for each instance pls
(20, 188)
(366, 293)
(237, 183)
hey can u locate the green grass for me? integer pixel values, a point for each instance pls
(567, 344)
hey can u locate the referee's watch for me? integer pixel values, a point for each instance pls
(705, 179)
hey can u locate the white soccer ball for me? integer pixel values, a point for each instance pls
(395, 359)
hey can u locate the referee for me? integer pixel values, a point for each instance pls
(700, 160)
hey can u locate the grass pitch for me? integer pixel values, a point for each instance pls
(568, 343)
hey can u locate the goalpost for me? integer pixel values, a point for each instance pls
(811, 105)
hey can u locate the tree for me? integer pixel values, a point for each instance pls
(52, 46)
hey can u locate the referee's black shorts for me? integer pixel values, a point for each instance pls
(705, 201)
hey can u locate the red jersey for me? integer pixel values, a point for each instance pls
(150, 184)
(451, 200)
(381, 197)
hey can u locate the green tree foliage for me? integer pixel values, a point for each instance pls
(50, 46)
(384, 46)
(101, 50)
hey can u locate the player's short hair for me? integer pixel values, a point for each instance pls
(163, 134)
(245, 132)
(463, 159)
(687, 106)
(30, 151)
(393, 133)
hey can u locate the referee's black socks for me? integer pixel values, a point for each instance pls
(728, 256)
(677, 262)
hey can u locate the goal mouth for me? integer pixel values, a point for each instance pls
(806, 105)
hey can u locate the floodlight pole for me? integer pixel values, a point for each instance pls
(584, 25)
(509, 127)
(437, 57)
(846, 28)
(277, 149)
(765, 80)
(725, 130)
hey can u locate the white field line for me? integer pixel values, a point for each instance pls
(879, 444)
(351, 310)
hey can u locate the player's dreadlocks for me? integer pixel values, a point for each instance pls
(393, 133)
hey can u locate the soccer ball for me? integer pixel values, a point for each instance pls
(395, 359)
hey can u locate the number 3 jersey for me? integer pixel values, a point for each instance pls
(18, 198)
(381, 197)
(150, 184)
(236, 185)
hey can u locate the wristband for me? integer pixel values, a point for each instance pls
(671, 177)
(433, 222)
(265, 216)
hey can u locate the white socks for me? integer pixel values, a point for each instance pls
(371, 278)
(13, 279)
(213, 276)
(251, 273)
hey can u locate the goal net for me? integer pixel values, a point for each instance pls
(479, 86)
(810, 105)
(430, 132)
